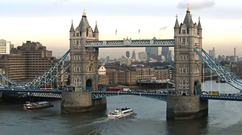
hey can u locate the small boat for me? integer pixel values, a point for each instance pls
(121, 113)
(37, 105)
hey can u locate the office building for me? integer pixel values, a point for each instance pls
(28, 61)
(5, 46)
(127, 54)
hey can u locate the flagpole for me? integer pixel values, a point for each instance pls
(139, 33)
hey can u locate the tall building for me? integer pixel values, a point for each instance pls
(28, 61)
(127, 54)
(165, 52)
(234, 52)
(134, 56)
(151, 51)
(142, 56)
(169, 56)
(5, 46)
(212, 53)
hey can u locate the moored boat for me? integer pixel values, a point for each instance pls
(121, 113)
(37, 105)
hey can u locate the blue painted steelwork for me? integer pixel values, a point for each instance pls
(220, 65)
(43, 77)
(211, 65)
(57, 75)
(233, 97)
(227, 73)
(103, 94)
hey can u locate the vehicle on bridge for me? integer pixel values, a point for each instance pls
(214, 93)
(127, 89)
(113, 89)
(46, 87)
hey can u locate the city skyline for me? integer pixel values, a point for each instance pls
(49, 21)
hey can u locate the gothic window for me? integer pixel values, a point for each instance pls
(90, 67)
(183, 83)
(77, 57)
(77, 80)
(77, 34)
(184, 69)
(183, 40)
(77, 42)
(183, 31)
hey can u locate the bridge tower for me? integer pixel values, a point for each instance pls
(84, 68)
(184, 102)
(83, 71)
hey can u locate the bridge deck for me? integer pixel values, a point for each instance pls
(102, 94)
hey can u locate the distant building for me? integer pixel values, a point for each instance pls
(142, 56)
(102, 70)
(5, 46)
(169, 56)
(127, 54)
(28, 61)
(102, 79)
(125, 61)
(151, 51)
(161, 72)
(165, 52)
(212, 53)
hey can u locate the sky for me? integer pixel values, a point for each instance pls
(49, 21)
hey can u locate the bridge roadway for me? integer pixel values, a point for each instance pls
(103, 94)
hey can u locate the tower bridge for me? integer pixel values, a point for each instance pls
(185, 102)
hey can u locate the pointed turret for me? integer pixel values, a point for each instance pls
(96, 28)
(199, 27)
(188, 18)
(84, 23)
(72, 27)
(176, 24)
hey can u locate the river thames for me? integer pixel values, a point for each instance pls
(225, 118)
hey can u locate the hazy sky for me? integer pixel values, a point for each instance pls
(49, 21)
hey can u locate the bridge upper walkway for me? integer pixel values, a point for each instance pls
(131, 43)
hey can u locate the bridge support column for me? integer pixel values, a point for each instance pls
(81, 102)
(186, 107)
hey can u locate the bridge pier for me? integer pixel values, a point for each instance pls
(186, 107)
(1, 95)
(81, 102)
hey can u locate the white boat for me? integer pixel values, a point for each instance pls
(120, 113)
(37, 105)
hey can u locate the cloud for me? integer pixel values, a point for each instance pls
(196, 4)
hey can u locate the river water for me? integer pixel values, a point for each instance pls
(225, 118)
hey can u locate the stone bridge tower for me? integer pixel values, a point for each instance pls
(84, 68)
(84, 71)
(184, 102)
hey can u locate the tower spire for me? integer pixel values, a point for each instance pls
(176, 23)
(72, 27)
(188, 8)
(199, 24)
(84, 13)
(96, 28)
